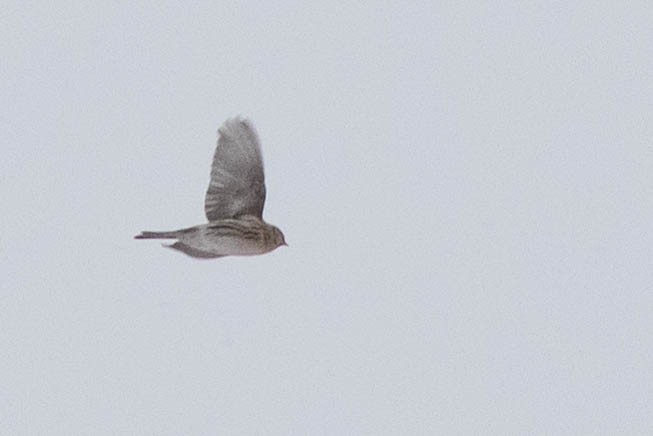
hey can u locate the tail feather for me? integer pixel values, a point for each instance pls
(157, 235)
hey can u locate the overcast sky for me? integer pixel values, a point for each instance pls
(466, 189)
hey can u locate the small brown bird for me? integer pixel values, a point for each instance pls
(233, 204)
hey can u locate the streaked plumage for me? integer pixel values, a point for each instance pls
(233, 204)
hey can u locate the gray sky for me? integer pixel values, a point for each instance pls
(467, 192)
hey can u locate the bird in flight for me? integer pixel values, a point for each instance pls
(233, 203)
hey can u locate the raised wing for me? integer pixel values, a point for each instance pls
(237, 184)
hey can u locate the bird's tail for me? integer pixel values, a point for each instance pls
(158, 235)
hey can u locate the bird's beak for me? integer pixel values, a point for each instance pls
(285, 243)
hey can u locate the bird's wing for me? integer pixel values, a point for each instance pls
(237, 184)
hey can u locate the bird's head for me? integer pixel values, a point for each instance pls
(277, 237)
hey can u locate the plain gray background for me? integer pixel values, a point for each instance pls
(466, 190)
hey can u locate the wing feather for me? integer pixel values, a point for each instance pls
(237, 185)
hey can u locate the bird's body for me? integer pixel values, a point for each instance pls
(234, 202)
(245, 236)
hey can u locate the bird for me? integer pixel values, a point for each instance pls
(233, 203)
